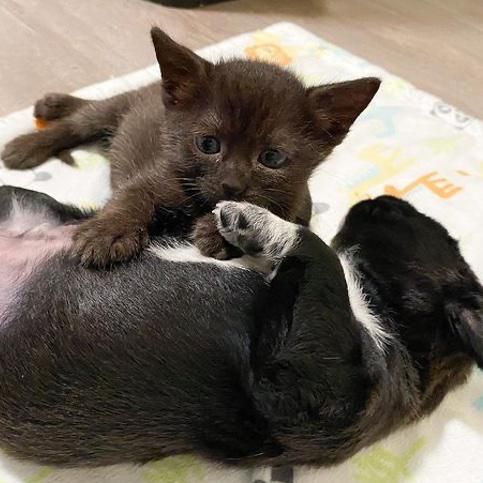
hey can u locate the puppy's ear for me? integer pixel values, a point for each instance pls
(466, 320)
(184, 73)
(338, 105)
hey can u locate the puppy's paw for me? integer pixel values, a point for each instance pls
(256, 231)
(56, 106)
(100, 244)
(26, 151)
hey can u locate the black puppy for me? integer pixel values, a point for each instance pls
(165, 355)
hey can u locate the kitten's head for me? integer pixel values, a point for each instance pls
(250, 130)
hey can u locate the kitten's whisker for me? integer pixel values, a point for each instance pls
(271, 202)
(283, 192)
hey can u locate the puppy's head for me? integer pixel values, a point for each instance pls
(425, 280)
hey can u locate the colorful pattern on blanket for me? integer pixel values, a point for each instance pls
(408, 144)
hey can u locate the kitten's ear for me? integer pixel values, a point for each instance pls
(184, 73)
(339, 105)
(466, 320)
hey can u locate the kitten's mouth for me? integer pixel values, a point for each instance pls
(206, 197)
(209, 198)
(214, 199)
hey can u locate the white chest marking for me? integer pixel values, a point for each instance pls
(359, 303)
(188, 253)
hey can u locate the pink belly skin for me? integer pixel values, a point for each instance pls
(21, 253)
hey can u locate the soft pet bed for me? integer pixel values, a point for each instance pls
(407, 144)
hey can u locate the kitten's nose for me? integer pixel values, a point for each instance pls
(233, 188)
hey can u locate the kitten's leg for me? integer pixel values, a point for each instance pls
(54, 106)
(72, 121)
(121, 229)
(207, 238)
(30, 150)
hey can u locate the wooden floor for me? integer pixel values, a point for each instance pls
(61, 45)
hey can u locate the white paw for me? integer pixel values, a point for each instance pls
(255, 230)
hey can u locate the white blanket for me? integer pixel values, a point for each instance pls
(407, 143)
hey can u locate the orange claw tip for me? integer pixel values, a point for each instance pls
(39, 122)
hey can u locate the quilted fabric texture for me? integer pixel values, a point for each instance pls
(409, 144)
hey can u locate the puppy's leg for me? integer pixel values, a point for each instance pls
(25, 210)
(307, 355)
(33, 227)
(71, 121)
(257, 231)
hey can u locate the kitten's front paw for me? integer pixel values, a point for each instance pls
(209, 241)
(26, 151)
(213, 247)
(100, 243)
(256, 231)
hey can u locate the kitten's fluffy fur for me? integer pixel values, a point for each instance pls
(154, 133)
(157, 357)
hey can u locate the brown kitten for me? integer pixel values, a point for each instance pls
(240, 130)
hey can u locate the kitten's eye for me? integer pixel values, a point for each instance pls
(272, 158)
(208, 144)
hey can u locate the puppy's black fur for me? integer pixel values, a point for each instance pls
(155, 357)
